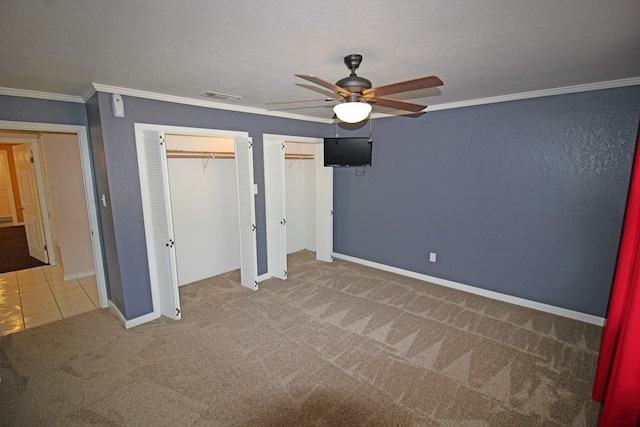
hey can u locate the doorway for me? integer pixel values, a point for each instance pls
(63, 240)
(298, 198)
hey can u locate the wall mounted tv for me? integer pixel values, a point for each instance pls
(347, 151)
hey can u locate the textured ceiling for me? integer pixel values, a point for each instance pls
(252, 48)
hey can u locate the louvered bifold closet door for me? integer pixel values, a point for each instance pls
(276, 208)
(163, 267)
(324, 207)
(246, 212)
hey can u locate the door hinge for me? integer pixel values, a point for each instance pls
(45, 247)
(31, 157)
(285, 273)
(170, 244)
(253, 227)
(283, 222)
(177, 311)
(283, 145)
(250, 144)
(161, 139)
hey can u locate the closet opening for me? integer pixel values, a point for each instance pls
(204, 204)
(298, 199)
(300, 196)
(198, 205)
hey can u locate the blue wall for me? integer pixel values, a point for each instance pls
(120, 182)
(524, 198)
(105, 215)
(17, 109)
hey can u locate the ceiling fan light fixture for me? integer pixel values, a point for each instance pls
(352, 112)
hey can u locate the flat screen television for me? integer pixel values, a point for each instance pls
(347, 151)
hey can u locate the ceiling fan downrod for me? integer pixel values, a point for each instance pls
(352, 62)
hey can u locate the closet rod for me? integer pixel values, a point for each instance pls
(196, 156)
(298, 156)
(200, 152)
(190, 154)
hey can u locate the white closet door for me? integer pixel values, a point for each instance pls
(276, 208)
(246, 211)
(162, 266)
(324, 207)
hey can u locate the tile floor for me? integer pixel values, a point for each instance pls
(33, 297)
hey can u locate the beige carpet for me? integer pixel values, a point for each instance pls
(337, 344)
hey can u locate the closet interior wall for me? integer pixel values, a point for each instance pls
(300, 190)
(204, 206)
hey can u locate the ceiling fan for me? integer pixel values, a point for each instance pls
(357, 94)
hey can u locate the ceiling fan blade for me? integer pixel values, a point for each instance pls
(396, 104)
(317, 80)
(304, 100)
(406, 86)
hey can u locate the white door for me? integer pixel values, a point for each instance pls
(30, 201)
(7, 203)
(246, 212)
(47, 195)
(275, 204)
(324, 207)
(159, 226)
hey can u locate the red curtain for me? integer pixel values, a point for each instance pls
(617, 381)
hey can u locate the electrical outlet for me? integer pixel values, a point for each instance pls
(432, 257)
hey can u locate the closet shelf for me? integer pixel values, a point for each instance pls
(188, 154)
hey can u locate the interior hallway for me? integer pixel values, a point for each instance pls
(40, 295)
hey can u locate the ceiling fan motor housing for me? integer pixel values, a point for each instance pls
(354, 83)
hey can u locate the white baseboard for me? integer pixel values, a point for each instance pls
(121, 317)
(79, 275)
(588, 318)
(133, 322)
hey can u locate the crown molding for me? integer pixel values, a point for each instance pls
(40, 95)
(611, 84)
(97, 87)
(203, 103)
(86, 96)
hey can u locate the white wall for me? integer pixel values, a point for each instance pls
(73, 233)
(300, 199)
(204, 205)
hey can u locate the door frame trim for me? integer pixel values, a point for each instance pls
(89, 189)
